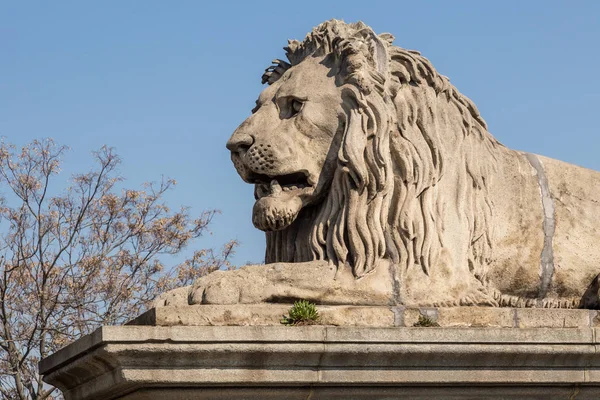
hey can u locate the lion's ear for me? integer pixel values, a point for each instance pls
(364, 60)
(378, 49)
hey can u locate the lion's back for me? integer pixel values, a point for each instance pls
(575, 196)
(546, 235)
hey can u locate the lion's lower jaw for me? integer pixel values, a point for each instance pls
(275, 213)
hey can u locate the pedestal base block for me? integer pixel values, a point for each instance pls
(326, 362)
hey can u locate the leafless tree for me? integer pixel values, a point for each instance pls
(90, 255)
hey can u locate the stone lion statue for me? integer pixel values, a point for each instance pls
(378, 183)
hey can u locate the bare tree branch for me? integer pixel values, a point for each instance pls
(89, 256)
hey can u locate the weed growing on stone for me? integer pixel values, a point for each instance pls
(426, 322)
(302, 312)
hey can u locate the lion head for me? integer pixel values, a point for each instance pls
(347, 148)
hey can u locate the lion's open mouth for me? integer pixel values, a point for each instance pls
(296, 183)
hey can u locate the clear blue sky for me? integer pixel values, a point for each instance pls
(166, 82)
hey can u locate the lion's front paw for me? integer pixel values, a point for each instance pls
(175, 297)
(219, 287)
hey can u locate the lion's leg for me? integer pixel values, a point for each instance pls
(575, 296)
(317, 281)
(475, 293)
(589, 300)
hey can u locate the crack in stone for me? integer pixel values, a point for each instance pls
(547, 257)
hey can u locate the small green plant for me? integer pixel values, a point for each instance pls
(426, 322)
(302, 312)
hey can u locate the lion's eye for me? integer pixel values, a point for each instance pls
(289, 106)
(296, 106)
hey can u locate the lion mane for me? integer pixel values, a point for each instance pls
(406, 128)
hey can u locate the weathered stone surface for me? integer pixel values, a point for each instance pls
(480, 317)
(261, 314)
(260, 362)
(553, 318)
(375, 316)
(575, 246)
(377, 182)
(356, 316)
(217, 315)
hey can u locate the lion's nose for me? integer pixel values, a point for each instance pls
(239, 142)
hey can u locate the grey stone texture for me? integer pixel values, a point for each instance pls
(326, 362)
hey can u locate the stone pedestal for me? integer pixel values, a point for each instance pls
(265, 361)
